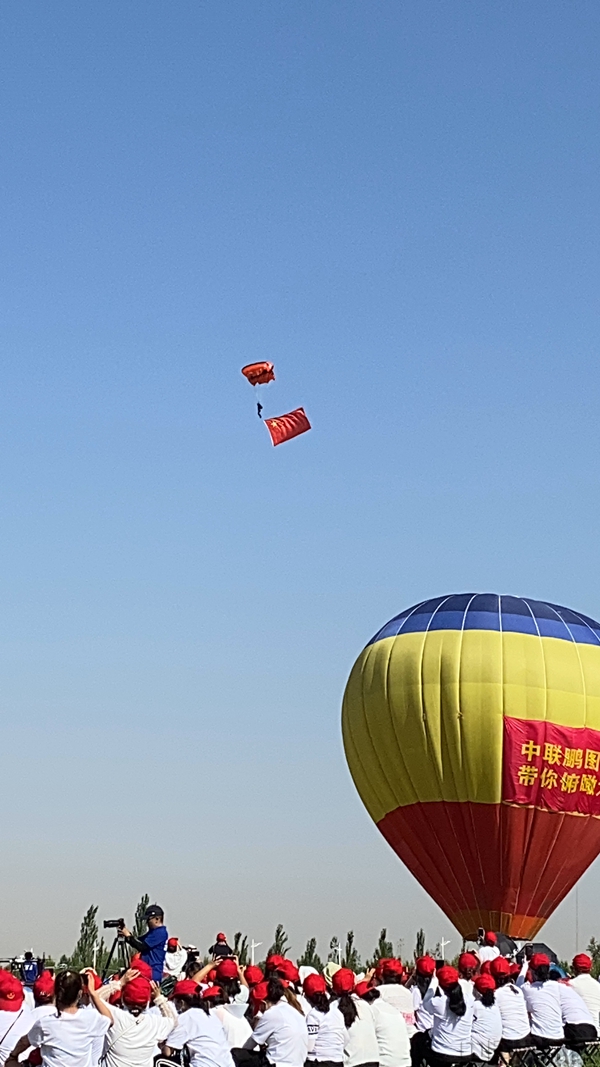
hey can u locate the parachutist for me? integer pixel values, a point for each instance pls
(259, 408)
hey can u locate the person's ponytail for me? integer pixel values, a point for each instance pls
(488, 998)
(68, 986)
(348, 1009)
(456, 1000)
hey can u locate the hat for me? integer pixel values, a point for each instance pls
(467, 961)
(185, 988)
(138, 964)
(392, 967)
(314, 983)
(136, 993)
(287, 969)
(539, 959)
(253, 975)
(514, 970)
(172, 942)
(486, 967)
(94, 980)
(257, 995)
(212, 991)
(227, 969)
(499, 966)
(329, 970)
(490, 938)
(272, 962)
(43, 987)
(343, 981)
(447, 976)
(484, 982)
(221, 937)
(212, 975)
(11, 992)
(582, 962)
(361, 988)
(154, 912)
(425, 965)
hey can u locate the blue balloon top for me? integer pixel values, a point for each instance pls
(490, 611)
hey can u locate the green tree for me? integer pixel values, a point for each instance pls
(140, 926)
(420, 944)
(594, 951)
(84, 951)
(240, 948)
(334, 950)
(280, 945)
(309, 957)
(384, 950)
(351, 958)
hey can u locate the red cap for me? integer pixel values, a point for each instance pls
(288, 970)
(43, 987)
(447, 976)
(380, 965)
(582, 962)
(11, 992)
(221, 937)
(257, 995)
(94, 980)
(253, 975)
(227, 969)
(138, 964)
(486, 967)
(500, 966)
(392, 967)
(484, 982)
(273, 962)
(361, 988)
(136, 994)
(514, 970)
(490, 938)
(425, 965)
(314, 983)
(172, 942)
(115, 998)
(212, 975)
(212, 991)
(468, 961)
(185, 988)
(343, 981)
(539, 959)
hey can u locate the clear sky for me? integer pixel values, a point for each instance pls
(396, 203)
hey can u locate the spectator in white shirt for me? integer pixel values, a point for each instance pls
(134, 1031)
(452, 1020)
(512, 1007)
(325, 1022)
(15, 1014)
(392, 989)
(281, 1029)
(577, 1020)
(199, 1031)
(468, 965)
(542, 998)
(423, 979)
(390, 1029)
(489, 950)
(587, 987)
(486, 1033)
(65, 1037)
(231, 1016)
(175, 959)
(360, 1045)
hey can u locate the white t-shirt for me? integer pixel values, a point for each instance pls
(423, 1018)
(450, 1034)
(487, 952)
(326, 1034)
(545, 1009)
(392, 1035)
(487, 1030)
(174, 962)
(237, 1028)
(238, 1006)
(204, 1037)
(13, 1025)
(589, 991)
(513, 1010)
(360, 1045)
(67, 1040)
(132, 1039)
(574, 1010)
(401, 999)
(284, 1032)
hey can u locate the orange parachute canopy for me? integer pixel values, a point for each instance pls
(284, 427)
(259, 373)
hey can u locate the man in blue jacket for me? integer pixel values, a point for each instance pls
(153, 945)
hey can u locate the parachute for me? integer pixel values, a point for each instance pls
(471, 726)
(259, 373)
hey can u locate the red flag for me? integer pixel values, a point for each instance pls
(284, 427)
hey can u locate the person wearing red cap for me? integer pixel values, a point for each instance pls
(175, 959)
(578, 1024)
(468, 965)
(511, 1005)
(423, 979)
(67, 1035)
(253, 975)
(220, 949)
(390, 1029)
(325, 1023)
(488, 949)
(542, 998)
(198, 1029)
(15, 1016)
(452, 1020)
(360, 1047)
(134, 1031)
(232, 1012)
(43, 992)
(281, 1029)
(587, 987)
(486, 1032)
(393, 991)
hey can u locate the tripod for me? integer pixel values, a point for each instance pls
(122, 950)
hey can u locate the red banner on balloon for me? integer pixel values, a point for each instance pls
(556, 768)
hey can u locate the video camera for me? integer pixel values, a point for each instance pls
(113, 924)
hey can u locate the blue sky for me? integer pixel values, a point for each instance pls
(396, 203)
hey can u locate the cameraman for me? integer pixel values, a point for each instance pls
(152, 946)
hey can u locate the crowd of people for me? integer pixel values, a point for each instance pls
(168, 1006)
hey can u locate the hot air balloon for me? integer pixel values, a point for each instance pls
(471, 727)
